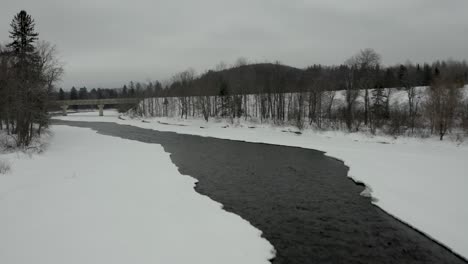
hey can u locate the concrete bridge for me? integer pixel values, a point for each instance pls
(100, 103)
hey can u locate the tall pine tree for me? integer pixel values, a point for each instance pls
(23, 34)
(29, 96)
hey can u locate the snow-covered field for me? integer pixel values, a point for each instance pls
(98, 199)
(423, 182)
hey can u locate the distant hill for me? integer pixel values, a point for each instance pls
(278, 78)
(252, 78)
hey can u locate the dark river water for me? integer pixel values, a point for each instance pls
(301, 199)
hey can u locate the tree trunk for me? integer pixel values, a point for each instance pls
(366, 107)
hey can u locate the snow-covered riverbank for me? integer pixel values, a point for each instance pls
(420, 181)
(91, 198)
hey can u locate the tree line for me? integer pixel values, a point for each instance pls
(283, 94)
(132, 90)
(29, 70)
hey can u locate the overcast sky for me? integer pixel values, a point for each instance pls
(106, 43)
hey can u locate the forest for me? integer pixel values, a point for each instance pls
(360, 95)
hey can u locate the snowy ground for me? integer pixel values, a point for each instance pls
(97, 199)
(420, 181)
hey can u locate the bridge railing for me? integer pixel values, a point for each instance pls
(97, 101)
(100, 103)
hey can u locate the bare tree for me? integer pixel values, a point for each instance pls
(408, 80)
(51, 65)
(241, 61)
(221, 66)
(464, 113)
(366, 63)
(276, 93)
(443, 100)
(203, 101)
(351, 93)
(184, 81)
(52, 72)
(329, 98)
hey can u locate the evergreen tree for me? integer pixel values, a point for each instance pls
(149, 90)
(419, 75)
(378, 109)
(225, 98)
(74, 96)
(111, 93)
(158, 89)
(131, 92)
(93, 94)
(30, 97)
(427, 75)
(403, 76)
(61, 95)
(23, 34)
(436, 72)
(388, 78)
(138, 89)
(73, 93)
(83, 93)
(124, 91)
(380, 100)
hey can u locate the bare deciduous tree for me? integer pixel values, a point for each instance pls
(51, 65)
(367, 63)
(443, 100)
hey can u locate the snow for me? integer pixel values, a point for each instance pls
(420, 181)
(98, 199)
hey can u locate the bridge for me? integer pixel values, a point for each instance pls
(100, 103)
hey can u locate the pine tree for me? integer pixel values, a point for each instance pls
(403, 76)
(389, 78)
(131, 92)
(23, 34)
(124, 91)
(73, 93)
(61, 95)
(93, 94)
(379, 99)
(83, 93)
(427, 75)
(436, 72)
(138, 89)
(30, 96)
(158, 88)
(378, 108)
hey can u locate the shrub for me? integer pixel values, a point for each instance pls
(4, 167)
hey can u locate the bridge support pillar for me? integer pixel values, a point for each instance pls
(64, 109)
(101, 110)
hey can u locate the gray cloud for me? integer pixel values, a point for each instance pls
(106, 43)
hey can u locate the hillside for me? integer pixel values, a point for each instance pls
(246, 79)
